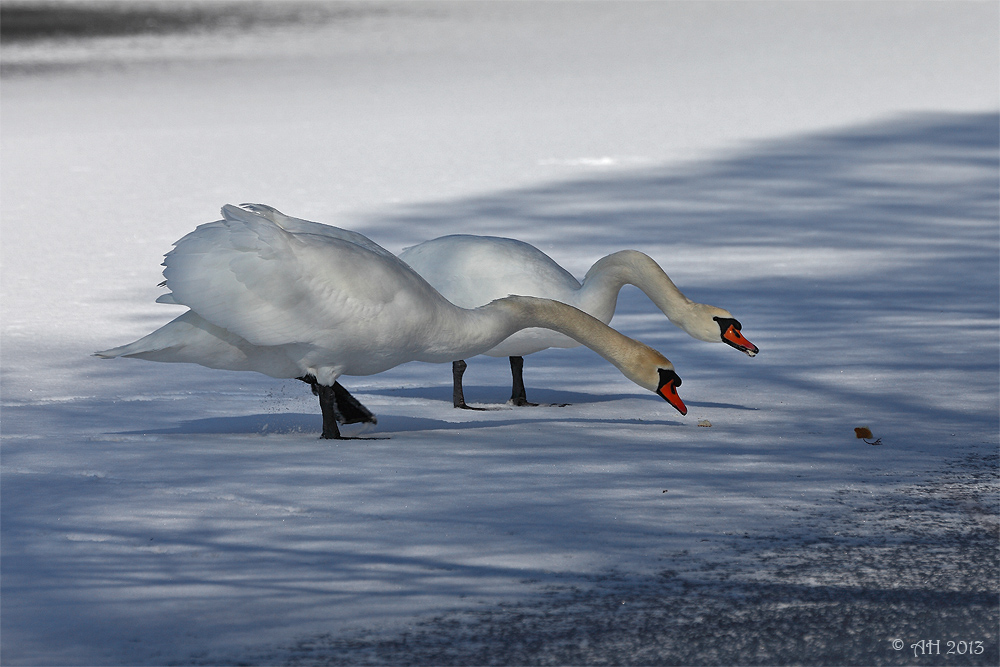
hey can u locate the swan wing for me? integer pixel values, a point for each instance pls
(300, 226)
(272, 286)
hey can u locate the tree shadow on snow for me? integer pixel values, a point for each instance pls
(305, 424)
(853, 254)
(863, 253)
(870, 251)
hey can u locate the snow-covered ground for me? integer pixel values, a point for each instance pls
(828, 172)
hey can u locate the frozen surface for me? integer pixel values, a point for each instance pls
(827, 174)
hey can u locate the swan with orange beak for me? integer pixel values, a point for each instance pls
(732, 335)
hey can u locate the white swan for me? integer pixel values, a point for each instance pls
(296, 299)
(472, 270)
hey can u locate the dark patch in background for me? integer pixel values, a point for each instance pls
(33, 21)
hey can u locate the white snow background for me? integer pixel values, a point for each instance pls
(826, 171)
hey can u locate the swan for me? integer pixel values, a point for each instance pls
(472, 270)
(291, 298)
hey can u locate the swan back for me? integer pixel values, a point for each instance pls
(246, 212)
(473, 270)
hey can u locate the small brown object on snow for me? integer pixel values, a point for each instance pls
(864, 432)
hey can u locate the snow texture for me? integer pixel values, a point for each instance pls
(827, 172)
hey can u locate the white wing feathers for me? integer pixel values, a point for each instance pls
(299, 226)
(248, 275)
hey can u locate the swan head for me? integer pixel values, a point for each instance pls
(667, 389)
(729, 328)
(653, 371)
(715, 325)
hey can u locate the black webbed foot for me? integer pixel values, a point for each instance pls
(522, 402)
(351, 410)
(337, 405)
(465, 406)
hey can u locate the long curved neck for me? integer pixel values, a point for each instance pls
(608, 275)
(520, 312)
(457, 333)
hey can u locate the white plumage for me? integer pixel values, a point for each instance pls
(473, 270)
(296, 299)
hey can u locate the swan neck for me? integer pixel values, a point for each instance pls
(631, 267)
(465, 333)
(523, 312)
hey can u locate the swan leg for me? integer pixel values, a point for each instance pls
(328, 406)
(457, 393)
(337, 405)
(517, 393)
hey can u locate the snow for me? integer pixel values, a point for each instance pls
(827, 172)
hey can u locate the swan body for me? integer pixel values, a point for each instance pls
(473, 270)
(292, 298)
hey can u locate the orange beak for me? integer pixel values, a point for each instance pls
(734, 337)
(669, 393)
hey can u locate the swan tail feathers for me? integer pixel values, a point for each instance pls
(112, 353)
(174, 334)
(190, 339)
(144, 348)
